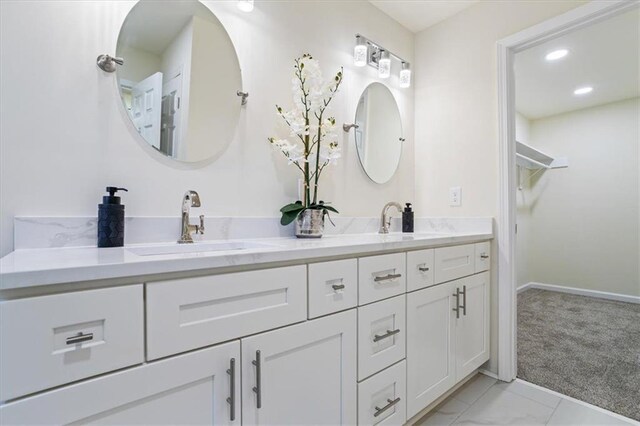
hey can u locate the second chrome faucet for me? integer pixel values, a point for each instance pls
(190, 199)
(385, 218)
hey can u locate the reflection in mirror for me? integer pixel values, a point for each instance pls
(179, 79)
(379, 133)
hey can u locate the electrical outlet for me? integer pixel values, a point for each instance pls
(455, 196)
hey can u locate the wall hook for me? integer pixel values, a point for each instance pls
(346, 127)
(244, 96)
(108, 63)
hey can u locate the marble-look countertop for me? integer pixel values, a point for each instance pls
(48, 266)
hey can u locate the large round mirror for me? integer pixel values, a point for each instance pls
(378, 133)
(180, 78)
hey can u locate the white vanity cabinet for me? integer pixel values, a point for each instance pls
(447, 337)
(355, 339)
(302, 374)
(194, 388)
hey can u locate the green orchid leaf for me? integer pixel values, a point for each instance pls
(297, 206)
(331, 209)
(288, 217)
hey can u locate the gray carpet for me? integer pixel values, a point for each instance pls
(583, 347)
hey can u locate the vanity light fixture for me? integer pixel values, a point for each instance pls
(366, 52)
(384, 64)
(556, 54)
(245, 5)
(360, 52)
(405, 75)
(583, 90)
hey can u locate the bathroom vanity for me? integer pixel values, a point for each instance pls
(366, 329)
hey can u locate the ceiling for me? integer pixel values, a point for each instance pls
(151, 26)
(605, 56)
(417, 15)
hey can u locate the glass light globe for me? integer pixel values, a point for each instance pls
(384, 65)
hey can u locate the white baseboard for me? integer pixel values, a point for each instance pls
(523, 287)
(581, 292)
(488, 373)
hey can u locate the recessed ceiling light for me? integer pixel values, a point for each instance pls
(583, 90)
(556, 54)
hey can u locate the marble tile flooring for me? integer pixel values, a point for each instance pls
(486, 401)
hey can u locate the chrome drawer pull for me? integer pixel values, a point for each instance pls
(391, 403)
(423, 269)
(457, 308)
(232, 389)
(484, 256)
(389, 333)
(387, 277)
(337, 287)
(258, 387)
(79, 338)
(464, 300)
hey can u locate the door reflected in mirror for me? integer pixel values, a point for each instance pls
(179, 79)
(379, 133)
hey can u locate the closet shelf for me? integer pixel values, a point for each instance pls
(534, 159)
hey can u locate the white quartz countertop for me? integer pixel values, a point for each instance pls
(48, 266)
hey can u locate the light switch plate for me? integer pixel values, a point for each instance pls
(455, 196)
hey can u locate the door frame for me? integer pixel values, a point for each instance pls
(583, 16)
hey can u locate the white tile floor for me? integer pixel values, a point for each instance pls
(486, 401)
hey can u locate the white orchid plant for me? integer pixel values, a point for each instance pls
(316, 138)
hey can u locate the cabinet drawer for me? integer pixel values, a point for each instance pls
(51, 340)
(454, 262)
(333, 287)
(381, 335)
(381, 398)
(419, 269)
(381, 277)
(483, 256)
(190, 313)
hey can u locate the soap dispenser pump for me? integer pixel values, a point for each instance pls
(111, 219)
(407, 218)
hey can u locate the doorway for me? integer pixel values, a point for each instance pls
(543, 165)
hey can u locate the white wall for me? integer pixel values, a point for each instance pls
(585, 231)
(65, 135)
(456, 110)
(523, 209)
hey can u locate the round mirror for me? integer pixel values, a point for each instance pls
(180, 78)
(379, 133)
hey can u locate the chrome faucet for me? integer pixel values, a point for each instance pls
(385, 219)
(190, 199)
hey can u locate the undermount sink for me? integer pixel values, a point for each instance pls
(203, 247)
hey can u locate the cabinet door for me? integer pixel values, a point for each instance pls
(186, 389)
(430, 345)
(302, 374)
(472, 328)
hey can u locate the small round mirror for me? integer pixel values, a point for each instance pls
(379, 133)
(180, 78)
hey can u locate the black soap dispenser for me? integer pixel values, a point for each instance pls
(111, 219)
(407, 219)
